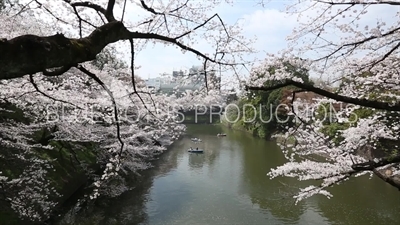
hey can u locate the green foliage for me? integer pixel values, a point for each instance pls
(394, 153)
(360, 114)
(260, 111)
(332, 127)
(333, 131)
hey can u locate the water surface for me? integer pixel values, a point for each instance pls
(228, 185)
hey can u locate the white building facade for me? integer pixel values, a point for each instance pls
(180, 81)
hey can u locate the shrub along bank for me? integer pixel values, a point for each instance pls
(264, 113)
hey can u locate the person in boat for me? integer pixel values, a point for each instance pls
(197, 148)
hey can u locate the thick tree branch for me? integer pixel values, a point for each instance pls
(110, 10)
(48, 96)
(90, 5)
(395, 182)
(371, 165)
(29, 54)
(108, 13)
(337, 97)
(374, 166)
(367, 166)
(146, 7)
(102, 84)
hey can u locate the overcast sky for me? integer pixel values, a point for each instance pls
(268, 24)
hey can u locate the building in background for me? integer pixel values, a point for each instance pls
(180, 81)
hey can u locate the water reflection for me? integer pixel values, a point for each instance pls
(270, 196)
(130, 207)
(196, 161)
(227, 184)
(363, 201)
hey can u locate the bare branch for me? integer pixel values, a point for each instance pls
(96, 7)
(48, 96)
(205, 73)
(110, 10)
(357, 43)
(23, 8)
(386, 55)
(123, 11)
(80, 19)
(146, 7)
(133, 77)
(106, 12)
(101, 83)
(204, 23)
(101, 17)
(180, 7)
(51, 13)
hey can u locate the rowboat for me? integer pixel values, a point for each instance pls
(196, 139)
(195, 150)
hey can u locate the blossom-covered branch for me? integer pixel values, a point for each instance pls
(65, 87)
(30, 54)
(352, 121)
(307, 87)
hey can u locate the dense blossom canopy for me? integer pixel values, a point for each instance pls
(64, 78)
(354, 122)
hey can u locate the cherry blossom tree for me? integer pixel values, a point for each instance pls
(353, 125)
(61, 72)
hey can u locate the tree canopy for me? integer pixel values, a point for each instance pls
(363, 56)
(63, 81)
(65, 87)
